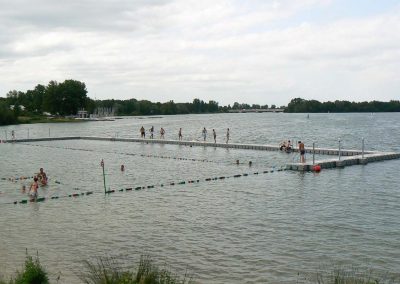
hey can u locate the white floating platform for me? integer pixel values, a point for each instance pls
(348, 157)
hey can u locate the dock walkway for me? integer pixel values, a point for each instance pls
(348, 157)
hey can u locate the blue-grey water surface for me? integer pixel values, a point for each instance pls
(278, 227)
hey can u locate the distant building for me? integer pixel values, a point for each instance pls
(82, 113)
(21, 107)
(103, 112)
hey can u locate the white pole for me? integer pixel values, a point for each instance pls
(28, 133)
(339, 150)
(363, 147)
(313, 153)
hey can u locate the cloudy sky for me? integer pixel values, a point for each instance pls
(253, 51)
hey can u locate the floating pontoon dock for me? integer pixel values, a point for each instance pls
(343, 157)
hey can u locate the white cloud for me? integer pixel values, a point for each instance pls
(222, 50)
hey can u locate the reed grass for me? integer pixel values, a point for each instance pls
(108, 271)
(32, 273)
(352, 275)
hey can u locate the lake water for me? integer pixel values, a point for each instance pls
(276, 227)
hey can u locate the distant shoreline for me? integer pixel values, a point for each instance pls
(45, 119)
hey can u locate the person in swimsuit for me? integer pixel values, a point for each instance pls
(283, 146)
(288, 147)
(142, 132)
(180, 134)
(162, 132)
(33, 190)
(42, 177)
(204, 133)
(227, 136)
(302, 151)
(152, 132)
(215, 136)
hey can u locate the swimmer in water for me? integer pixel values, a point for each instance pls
(33, 190)
(122, 168)
(42, 177)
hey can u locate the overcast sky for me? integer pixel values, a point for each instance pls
(253, 51)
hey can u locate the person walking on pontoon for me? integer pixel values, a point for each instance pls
(152, 132)
(204, 132)
(162, 132)
(302, 151)
(142, 132)
(180, 134)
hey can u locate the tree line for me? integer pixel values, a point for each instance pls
(66, 98)
(314, 106)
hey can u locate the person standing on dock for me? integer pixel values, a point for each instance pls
(227, 136)
(180, 134)
(204, 133)
(152, 132)
(215, 136)
(162, 132)
(142, 132)
(302, 151)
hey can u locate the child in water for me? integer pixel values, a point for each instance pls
(33, 190)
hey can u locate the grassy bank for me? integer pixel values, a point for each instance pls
(109, 271)
(102, 271)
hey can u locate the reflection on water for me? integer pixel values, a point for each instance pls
(263, 228)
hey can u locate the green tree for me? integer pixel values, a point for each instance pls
(7, 116)
(73, 95)
(52, 99)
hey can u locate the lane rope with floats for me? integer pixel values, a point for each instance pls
(137, 188)
(124, 153)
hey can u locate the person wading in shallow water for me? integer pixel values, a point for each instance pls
(302, 151)
(42, 177)
(215, 136)
(227, 136)
(33, 190)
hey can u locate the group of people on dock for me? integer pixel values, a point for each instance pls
(180, 135)
(284, 146)
(287, 147)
